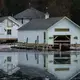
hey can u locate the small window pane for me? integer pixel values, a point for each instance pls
(9, 59)
(62, 58)
(75, 37)
(9, 31)
(61, 61)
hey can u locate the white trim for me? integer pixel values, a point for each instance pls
(71, 21)
(55, 23)
(55, 37)
(67, 19)
(14, 20)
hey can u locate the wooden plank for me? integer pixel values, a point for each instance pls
(62, 41)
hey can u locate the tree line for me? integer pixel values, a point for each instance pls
(70, 8)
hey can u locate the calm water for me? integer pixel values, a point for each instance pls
(56, 63)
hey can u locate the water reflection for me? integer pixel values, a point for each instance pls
(55, 62)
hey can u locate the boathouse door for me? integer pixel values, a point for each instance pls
(63, 40)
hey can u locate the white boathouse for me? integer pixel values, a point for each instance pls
(50, 31)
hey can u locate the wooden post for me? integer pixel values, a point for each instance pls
(60, 46)
(47, 47)
(44, 37)
(37, 58)
(76, 49)
(76, 46)
(27, 42)
(45, 61)
(35, 44)
(60, 53)
(44, 41)
(27, 56)
(43, 47)
(37, 41)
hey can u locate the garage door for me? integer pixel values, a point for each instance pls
(63, 40)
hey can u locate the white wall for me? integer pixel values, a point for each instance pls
(7, 24)
(31, 61)
(31, 35)
(64, 75)
(64, 23)
(21, 59)
(1, 29)
(4, 64)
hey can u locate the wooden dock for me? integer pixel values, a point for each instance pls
(32, 46)
(45, 47)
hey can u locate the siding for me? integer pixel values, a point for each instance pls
(64, 23)
(3, 29)
(3, 60)
(31, 35)
(31, 59)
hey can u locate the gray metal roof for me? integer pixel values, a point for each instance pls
(3, 18)
(40, 24)
(30, 14)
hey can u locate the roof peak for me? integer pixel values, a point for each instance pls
(30, 13)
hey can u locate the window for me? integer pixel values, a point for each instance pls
(61, 29)
(50, 37)
(75, 37)
(9, 32)
(9, 59)
(62, 58)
